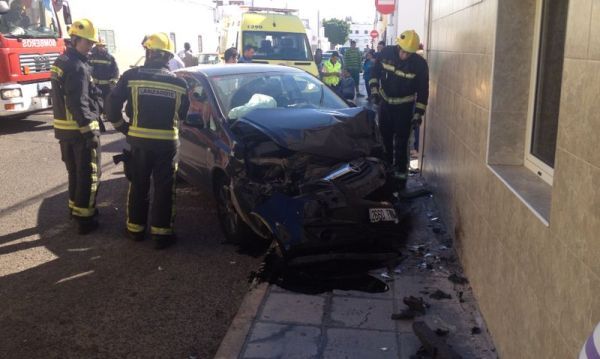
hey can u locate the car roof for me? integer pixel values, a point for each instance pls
(236, 69)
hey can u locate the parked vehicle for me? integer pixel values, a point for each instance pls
(285, 157)
(31, 38)
(278, 36)
(208, 58)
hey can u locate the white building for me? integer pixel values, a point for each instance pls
(123, 24)
(361, 33)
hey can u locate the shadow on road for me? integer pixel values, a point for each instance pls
(101, 295)
(17, 125)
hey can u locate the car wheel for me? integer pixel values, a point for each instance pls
(233, 226)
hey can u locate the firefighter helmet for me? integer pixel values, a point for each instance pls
(85, 29)
(409, 41)
(159, 41)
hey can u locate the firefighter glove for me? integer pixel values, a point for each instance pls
(92, 142)
(124, 128)
(417, 120)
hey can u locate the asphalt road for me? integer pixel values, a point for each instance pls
(102, 295)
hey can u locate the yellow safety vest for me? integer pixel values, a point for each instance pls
(328, 67)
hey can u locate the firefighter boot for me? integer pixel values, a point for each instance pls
(163, 241)
(87, 225)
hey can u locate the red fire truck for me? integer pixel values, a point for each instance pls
(31, 38)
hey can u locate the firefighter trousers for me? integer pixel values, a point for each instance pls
(83, 168)
(160, 167)
(395, 123)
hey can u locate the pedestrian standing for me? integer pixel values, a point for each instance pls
(105, 73)
(247, 54)
(230, 56)
(319, 62)
(76, 123)
(332, 71)
(156, 101)
(187, 56)
(367, 66)
(400, 82)
(352, 62)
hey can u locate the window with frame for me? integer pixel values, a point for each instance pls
(545, 89)
(109, 38)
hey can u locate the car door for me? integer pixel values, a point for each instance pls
(197, 133)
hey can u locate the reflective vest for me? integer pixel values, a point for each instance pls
(329, 67)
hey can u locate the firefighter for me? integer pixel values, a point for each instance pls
(400, 84)
(76, 123)
(156, 101)
(105, 72)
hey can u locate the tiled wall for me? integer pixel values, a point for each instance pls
(538, 286)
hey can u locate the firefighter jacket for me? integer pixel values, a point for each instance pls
(156, 101)
(75, 98)
(401, 81)
(104, 67)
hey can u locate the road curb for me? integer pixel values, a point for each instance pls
(233, 342)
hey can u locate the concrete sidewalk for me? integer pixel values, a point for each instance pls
(275, 323)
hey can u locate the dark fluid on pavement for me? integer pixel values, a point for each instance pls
(318, 278)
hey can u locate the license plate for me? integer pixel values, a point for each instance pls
(382, 215)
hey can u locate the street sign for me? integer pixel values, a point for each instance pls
(385, 6)
(374, 34)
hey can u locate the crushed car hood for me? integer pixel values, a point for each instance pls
(342, 134)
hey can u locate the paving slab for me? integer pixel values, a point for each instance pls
(269, 340)
(293, 308)
(362, 313)
(360, 344)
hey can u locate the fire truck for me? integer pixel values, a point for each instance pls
(31, 38)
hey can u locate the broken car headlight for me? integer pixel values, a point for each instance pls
(343, 170)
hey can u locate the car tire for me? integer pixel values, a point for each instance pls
(233, 226)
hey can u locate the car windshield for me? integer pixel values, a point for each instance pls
(278, 45)
(240, 93)
(29, 19)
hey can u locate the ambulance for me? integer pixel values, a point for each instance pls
(277, 35)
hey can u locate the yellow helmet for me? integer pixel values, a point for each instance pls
(409, 41)
(160, 41)
(85, 29)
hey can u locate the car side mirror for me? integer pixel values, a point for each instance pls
(194, 119)
(4, 8)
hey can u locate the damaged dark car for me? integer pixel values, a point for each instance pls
(286, 158)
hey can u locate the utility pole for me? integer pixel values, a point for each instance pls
(318, 29)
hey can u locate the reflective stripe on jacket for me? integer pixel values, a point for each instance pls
(398, 80)
(104, 67)
(75, 105)
(156, 101)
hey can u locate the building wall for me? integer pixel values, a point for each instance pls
(537, 283)
(362, 39)
(187, 19)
